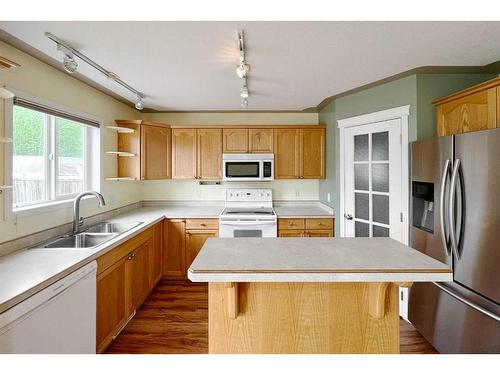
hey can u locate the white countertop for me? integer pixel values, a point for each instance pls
(24, 273)
(313, 259)
(287, 210)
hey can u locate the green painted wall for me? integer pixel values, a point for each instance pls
(433, 86)
(418, 91)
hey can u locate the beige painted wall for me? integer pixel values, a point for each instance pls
(191, 190)
(41, 80)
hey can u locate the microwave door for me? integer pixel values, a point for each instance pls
(242, 169)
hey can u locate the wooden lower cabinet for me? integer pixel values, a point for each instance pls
(112, 311)
(301, 227)
(174, 245)
(156, 254)
(139, 269)
(126, 276)
(195, 239)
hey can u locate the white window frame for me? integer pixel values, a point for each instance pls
(93, 157)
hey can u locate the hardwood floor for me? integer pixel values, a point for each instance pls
(174, 320)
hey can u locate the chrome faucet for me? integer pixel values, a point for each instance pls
(77, 220)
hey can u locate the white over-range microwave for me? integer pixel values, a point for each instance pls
(248, 167)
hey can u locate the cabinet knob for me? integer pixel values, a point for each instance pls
(203, 224)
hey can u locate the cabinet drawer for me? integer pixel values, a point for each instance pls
(202, 224)
(319, 223)
(318, 233)
(291, 233)
(290, 223)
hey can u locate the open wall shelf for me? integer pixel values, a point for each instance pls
(121, 153)
(120, 129)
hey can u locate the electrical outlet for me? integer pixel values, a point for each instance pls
(328, 197)
(297, 193)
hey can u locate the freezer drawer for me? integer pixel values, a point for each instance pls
(450, 325)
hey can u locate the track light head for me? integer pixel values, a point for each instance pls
(69, 63)
(244, 102)
(244, 92)
(242, 69)
(139, 104)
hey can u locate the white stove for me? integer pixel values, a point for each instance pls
(248, 213)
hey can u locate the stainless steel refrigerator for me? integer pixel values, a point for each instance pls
(455, 218)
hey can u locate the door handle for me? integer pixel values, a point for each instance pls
(348, 216)
(444, 236)
(451, 212)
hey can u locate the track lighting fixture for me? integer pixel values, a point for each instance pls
(70, 65)
(139, 104)
(242, 70)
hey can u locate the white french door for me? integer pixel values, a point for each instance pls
(372, 180)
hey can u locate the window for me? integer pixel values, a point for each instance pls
(55, 155)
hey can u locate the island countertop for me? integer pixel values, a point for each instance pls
(314, 260)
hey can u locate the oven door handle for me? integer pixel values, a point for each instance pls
(248, 222)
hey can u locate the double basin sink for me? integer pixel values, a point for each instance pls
(91, 237)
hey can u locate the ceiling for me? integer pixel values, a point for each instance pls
(190, 66)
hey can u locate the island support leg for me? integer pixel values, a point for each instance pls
(303, 318)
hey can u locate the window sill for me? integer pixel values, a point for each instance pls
(45, 207)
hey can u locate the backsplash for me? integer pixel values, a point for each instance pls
(191, 190)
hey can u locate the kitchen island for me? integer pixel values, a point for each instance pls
(308, 295)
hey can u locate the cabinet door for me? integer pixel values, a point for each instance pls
(319, 233)
(286, 153)
(312, 153)
(156, 255)
(195, 239)
(290, 233)
(470, 113)
(111, 311)
(139, 274)
(174, 261)
(260, 140)
(183, 153)
(235, 140)
(209, 151)
(155, 153)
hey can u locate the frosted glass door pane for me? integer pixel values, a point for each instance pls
(361, 229)
(380, 146)
(361, 147)
(380, 231)
(380, 208)
(380, 177)
(361, 177)
(362, 206)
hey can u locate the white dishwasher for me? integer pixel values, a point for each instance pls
(59, 319)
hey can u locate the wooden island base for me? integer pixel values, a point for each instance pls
(301, 317)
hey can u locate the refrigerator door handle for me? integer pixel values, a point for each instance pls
(467, 302)
(445, 237)
(451, 212)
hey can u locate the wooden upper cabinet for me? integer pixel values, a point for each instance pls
(183, 153)
(209, 153)
(235, 140)
(312, 153)
(155, 153)
(286, 153)
(260, 140)
(174, 261)
(472, 109)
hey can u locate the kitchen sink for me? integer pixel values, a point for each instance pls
(111, 227)
(80, 240)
